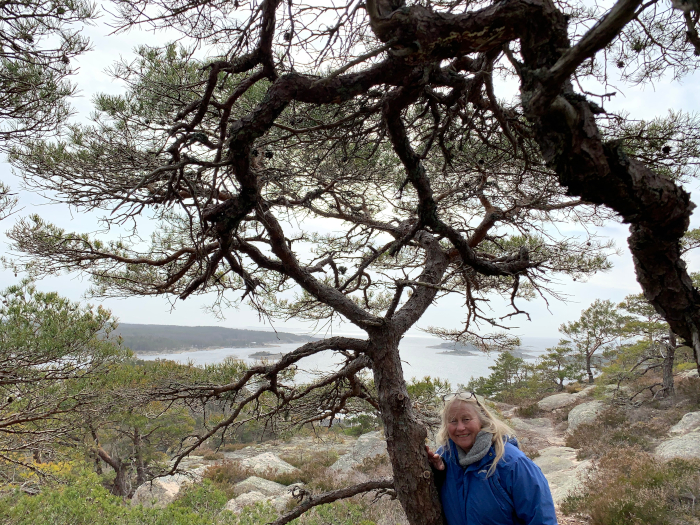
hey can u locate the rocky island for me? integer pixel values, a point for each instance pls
(471, 350)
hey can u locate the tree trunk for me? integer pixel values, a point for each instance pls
(405, 436)
(96, 441)
(140, 467)
(668, 386)
(589, 357)
(560, 385)
(119, 485)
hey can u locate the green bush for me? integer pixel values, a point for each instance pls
(338, 513)
(361, 424)
(203, 498)
(87, 502)
(529, 411)
(82, 500)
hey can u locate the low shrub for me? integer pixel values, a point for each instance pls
(616, 428)
(322, 458)
(233, 447)
(529, 411)
(375, 465)
(203, 498)
(689, 390)
(574, 388)
(338, 513)
(226, 474)
(83, 500)
(632, 487)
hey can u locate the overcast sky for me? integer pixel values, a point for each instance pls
(620, 281)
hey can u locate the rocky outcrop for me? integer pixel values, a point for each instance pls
(256, 484)
(540, 424)
(684, 441)
(688, 374)
(267, 463)
(563, 399)
(562, 470)
(367, 446)
(689, 422)
(536, 433)
(585, 413)
(686, 446)
(553, 459)
(557, 401)
(280, 497)
(237, 504)
(161, 491)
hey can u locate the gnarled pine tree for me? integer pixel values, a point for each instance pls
(358, 155)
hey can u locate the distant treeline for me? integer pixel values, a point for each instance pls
(153, 338)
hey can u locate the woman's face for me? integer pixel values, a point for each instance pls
(463, 425)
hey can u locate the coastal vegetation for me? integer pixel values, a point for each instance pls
(93, 454)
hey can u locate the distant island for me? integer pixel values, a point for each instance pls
(161, 339)
(471, 350)
(266, 355)
(457, 349)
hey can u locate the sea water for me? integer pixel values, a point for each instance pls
(418, 359)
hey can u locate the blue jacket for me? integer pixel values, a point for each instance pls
(517, 493)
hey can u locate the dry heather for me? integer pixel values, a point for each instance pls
(632, 487)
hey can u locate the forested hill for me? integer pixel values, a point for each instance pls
(154, 338)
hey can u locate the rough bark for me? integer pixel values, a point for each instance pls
(405, 436)
(667, 367)
(591, 379)
(601, 173)
(119, 485)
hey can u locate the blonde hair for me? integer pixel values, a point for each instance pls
(489, 423)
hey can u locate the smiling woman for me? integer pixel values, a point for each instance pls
(463, 425)
(482, 476)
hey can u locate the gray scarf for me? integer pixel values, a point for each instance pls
(479, 449)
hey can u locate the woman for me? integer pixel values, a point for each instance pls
(482, 476)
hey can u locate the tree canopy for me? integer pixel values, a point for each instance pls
(354, 161)
(51, 353)
(38, 41)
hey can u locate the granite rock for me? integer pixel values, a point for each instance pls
(689, 422)
(585, 413)
(268, 463)
(686, 446)
(557, 401)
(161, 491)
(256, 484)
(367, 446)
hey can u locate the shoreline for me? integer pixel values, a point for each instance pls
(197, 349)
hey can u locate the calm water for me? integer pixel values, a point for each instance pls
(418, 359)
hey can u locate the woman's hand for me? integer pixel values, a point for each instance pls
(434, 459)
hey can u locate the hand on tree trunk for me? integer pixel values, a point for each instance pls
(435, 459)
